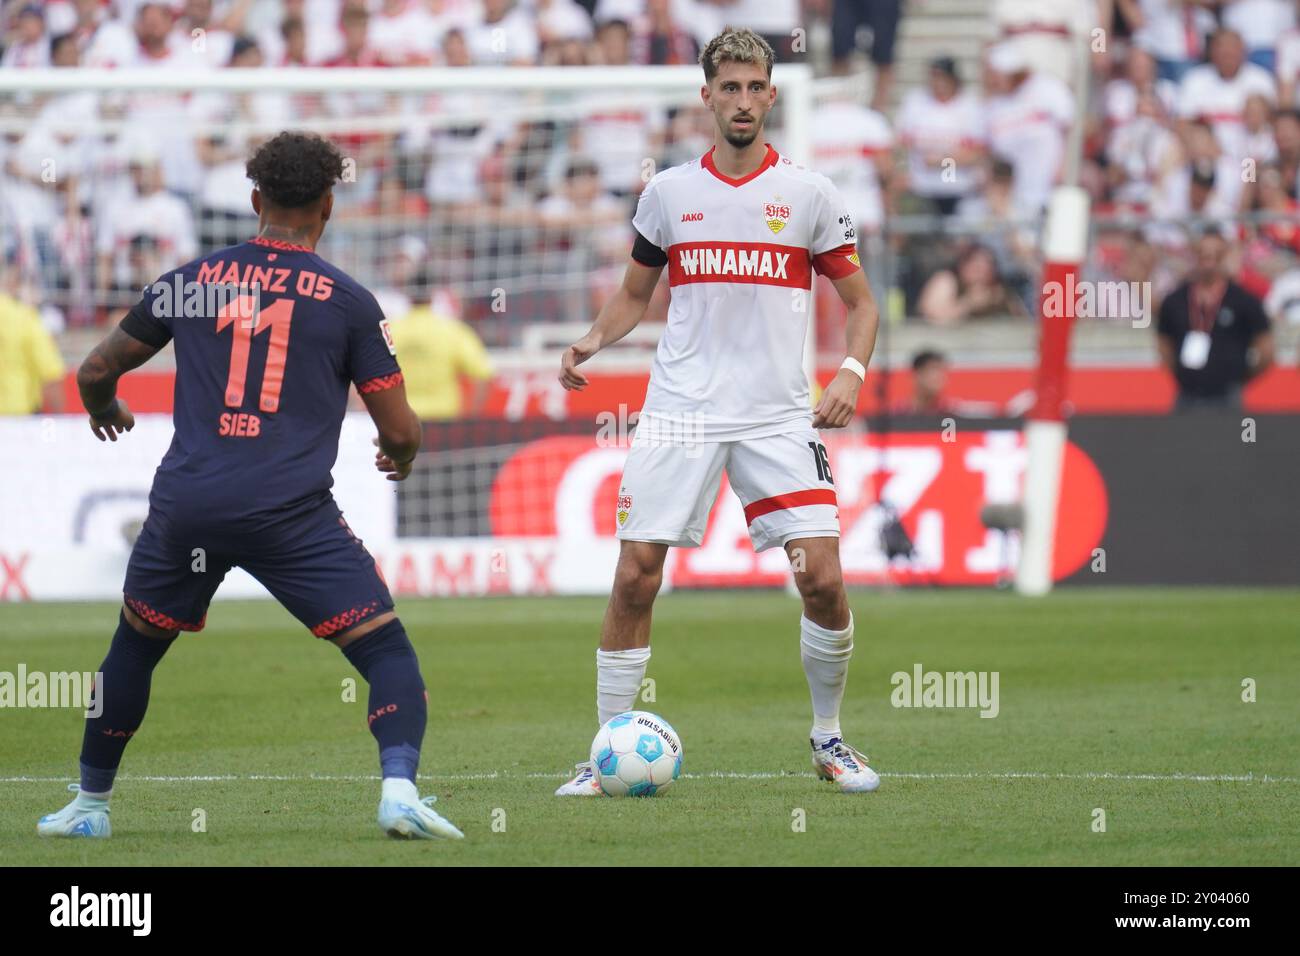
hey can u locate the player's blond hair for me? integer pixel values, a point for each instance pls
(736, 45)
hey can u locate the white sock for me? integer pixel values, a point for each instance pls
(825, 656)
(92, 801)
(618, 680)
(399, 788)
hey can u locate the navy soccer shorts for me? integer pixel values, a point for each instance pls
(310, 561)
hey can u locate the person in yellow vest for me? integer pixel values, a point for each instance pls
(436, 350)
(31, 369)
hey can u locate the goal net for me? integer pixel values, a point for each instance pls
(502, 198)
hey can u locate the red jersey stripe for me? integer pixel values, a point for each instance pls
(792, 499)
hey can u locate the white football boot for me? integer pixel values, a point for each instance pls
(83, 817)
(583, 784)
(405, 815)
(839, 763)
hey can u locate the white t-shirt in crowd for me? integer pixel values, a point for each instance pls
(1172, 31)
(932, 131)
(1260, 22)
(1027, 128)
(847, 140)
(1204, 94)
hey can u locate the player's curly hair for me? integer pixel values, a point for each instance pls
(292, 170)
(736, 45)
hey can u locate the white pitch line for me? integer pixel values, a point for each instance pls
(712, 775)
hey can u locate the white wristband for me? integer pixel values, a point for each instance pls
(856, 367)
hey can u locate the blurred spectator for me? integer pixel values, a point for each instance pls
(315, 26)
(589, 229)
(503, 35)
(614, 42)
(31, 370)
(1271, 247)
(1121, 95)
(1173, 31)
(1028, 116)
(776, 21)
(404, 33)
(145, 44)
(1007, 228)
(27, 44)
(1212, 334)
(1282, 304)
(1260, 23)
(1046, 32)
(972, 289)
(848, 18)
(357, 49)
(1208, 184)
(659, 40)
(64, 52)
(225, 213)
(293, 47)
(620, 140)
(1216, 92)
(1141, 154)
(1258, 142)
(80, 18)
(1287, 65)
(438, 351)
(565, 32)
(942, 127)
(151, 213)
(196, 34)
(1286, 134)
(853, 145)
(929, 391)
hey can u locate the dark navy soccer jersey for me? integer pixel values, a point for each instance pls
(259, 400)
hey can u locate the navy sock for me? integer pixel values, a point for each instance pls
(123, 694)
(399, 706)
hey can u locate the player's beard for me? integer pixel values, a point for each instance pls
(740, 139)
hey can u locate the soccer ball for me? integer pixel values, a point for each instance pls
(636, 754)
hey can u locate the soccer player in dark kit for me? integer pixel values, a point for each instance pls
(268, 336)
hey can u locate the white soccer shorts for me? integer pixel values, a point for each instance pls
(784, 481)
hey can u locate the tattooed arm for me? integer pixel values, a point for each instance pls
(97, 382)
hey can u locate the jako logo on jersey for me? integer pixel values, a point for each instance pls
(776, 214)
(692, 217)
(756, 262)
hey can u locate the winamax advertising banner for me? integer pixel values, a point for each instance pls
(502, 508)
(70, 507)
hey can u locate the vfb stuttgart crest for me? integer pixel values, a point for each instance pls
(776, 214)
(624, 507)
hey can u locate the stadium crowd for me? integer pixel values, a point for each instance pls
(1192, 119)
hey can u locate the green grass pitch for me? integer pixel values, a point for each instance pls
(1125, 700)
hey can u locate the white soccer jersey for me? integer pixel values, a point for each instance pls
(741, 255)
(1204, 94)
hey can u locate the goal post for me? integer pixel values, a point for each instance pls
(1065, 247)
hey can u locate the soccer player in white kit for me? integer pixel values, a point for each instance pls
(742, 231)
